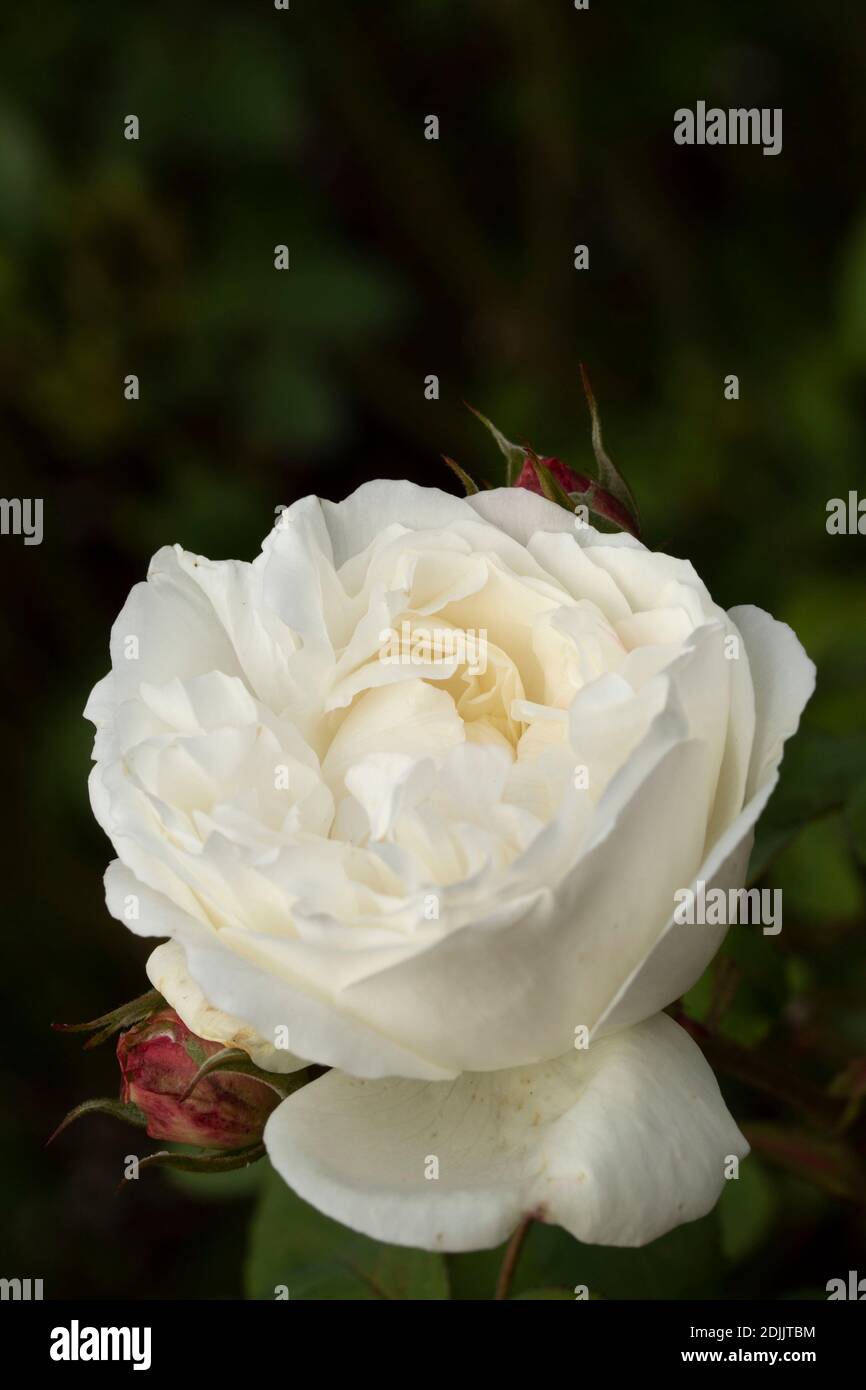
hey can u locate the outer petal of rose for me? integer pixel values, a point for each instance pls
(360, 518)
(167, 972)
(618, 1144)
(175, 629)
(192, 616)
(783, 679)
(520, 513)
(233, 985)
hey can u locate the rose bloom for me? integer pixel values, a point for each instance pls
(441, 884)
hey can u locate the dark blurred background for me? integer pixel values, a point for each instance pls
(409, 257)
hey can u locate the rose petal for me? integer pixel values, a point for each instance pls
(783, 678)
(167, 971)
(618, 1144)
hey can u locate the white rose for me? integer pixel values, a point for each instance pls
(292, 811)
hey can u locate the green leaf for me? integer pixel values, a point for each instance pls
(762, 990)
(547, 1295)
(819, 772)
(293, 1245)
(747, 1209)
(770, 840)
(686, 1263)
(817, 875)
(473, 1276)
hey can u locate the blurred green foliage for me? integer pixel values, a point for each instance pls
(411, 257)
(293, 1248)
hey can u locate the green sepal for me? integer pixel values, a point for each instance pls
(609, 475)
(200, 1161)
(234, 1059)
(102, 1106)
(123, 1017)
(600, 522)
(514, 455)
(469, 483)
(550, 486)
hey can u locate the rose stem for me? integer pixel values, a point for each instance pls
(510, 1258)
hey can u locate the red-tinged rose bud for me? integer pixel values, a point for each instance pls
(159, 1060)
(565, 476)
(582, 489)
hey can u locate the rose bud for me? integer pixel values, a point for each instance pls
(159, 1060)
(571, 481)
(580, 488)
